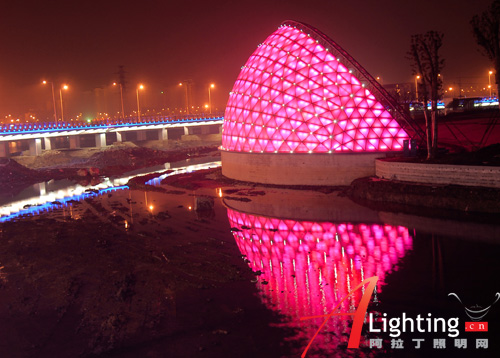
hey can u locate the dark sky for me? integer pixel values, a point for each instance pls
(161, 43)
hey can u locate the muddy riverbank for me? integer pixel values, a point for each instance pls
(87, 165)
(130, 273)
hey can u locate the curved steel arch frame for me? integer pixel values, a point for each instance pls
(401, 116)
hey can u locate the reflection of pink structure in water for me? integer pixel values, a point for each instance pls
(311, 266)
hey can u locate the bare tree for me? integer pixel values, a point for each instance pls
(486, 29)
(426, 61)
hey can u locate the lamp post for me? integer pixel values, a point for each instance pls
(121, 98)
(53, 99)
(489, 81)
(416, 87)
(140, 87)
(210, 98)
(63, 87)
(185, 84)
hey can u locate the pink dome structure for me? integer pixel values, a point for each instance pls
(299, 92)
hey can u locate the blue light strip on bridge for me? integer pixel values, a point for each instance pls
(5, 130)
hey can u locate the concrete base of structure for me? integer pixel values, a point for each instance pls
(469, 175)
(299, 168)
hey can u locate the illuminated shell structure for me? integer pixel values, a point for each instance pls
(299, 94)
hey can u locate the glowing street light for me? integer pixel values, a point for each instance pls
(187, 102)
(121, 98)
(140, 87)
(489, 81)
(63, 87)
(53, 99)
(416, 87)
(209, 97)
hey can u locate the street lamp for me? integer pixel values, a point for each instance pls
(452, 91)
(209, 97)
(489, 81)
(416, 87)
(121, 98)
(63, 87)
(53, 98)
(140, 87)
(187, 102)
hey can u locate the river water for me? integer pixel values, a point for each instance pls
(221, 271)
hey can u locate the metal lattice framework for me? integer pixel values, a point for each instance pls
(300, 92)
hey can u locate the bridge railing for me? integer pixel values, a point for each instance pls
(99, 123)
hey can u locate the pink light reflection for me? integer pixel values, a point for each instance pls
(310, 266)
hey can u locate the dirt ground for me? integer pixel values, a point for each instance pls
(111, 277)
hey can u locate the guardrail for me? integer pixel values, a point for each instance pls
(9, 129)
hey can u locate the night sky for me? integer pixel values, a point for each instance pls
(161, 43)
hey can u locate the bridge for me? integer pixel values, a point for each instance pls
(40, 135)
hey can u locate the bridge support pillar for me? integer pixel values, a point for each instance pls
(4, 149)
(47, 143)
(119, 137)
(141, 135)
(186, 130)
(74, 142)
(100, 140)
(41, 188)
(36, 146)
(220, 129)
(162, 134)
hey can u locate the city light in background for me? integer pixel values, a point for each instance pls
(172, 52)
